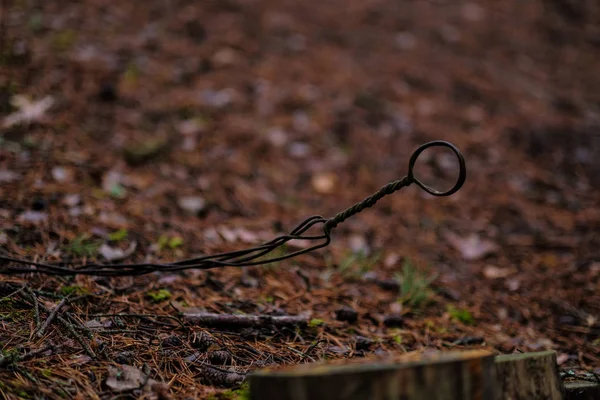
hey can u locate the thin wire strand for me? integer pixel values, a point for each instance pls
(246, 257)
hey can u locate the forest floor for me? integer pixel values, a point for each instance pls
(179, 128)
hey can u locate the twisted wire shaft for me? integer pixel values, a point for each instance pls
(366, 203)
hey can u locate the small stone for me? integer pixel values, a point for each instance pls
(346, 314)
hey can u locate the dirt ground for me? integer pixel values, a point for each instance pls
(163, 129)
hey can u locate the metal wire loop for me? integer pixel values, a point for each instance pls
(462, 173)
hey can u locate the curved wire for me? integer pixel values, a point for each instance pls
(251, 256)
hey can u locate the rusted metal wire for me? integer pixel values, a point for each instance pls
(251, 256)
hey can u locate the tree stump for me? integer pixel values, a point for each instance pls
(468, 375)
(528, 376)
(582, 390)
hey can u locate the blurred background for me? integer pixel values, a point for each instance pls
(205, 126)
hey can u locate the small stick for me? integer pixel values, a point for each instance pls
(77, 336)
(244, 321)
(51, 317)
(67, 325)
(36, 308)
(144, 316)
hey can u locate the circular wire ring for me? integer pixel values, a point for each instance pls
(462, 174)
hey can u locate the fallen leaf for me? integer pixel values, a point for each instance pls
(562, 358)
(247, 236)
(28, 111)
(471, 247)
(137, 153)
(114, 254)
(71, 200)
(299, 150)
(93, 323)
(190, 127)
(33, 216)
(513, 285)
(127, 377)
(358, 244)
(492, 272)
(225, 57)
(391, 259)
(191, 204)
(277, 137)
(7, 176)
(324, 182)
(77, 360)
(229, 235)
(62, 174)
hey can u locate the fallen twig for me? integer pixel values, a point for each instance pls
(36, 309)
(244, 321)
(51, 317)
(88, 350)
(64, 322)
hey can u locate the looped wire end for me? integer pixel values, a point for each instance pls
(462, 173)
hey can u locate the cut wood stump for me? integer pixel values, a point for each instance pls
(468, 375)
(582, 390)
(528, 376)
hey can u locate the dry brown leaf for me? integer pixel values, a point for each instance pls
(493, 272)
(29, 111)
(472, 247)
(324, 182)
(127, 377)
(115, 253)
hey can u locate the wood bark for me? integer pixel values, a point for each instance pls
(528, 376)
(466, 375)
(582, 390)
